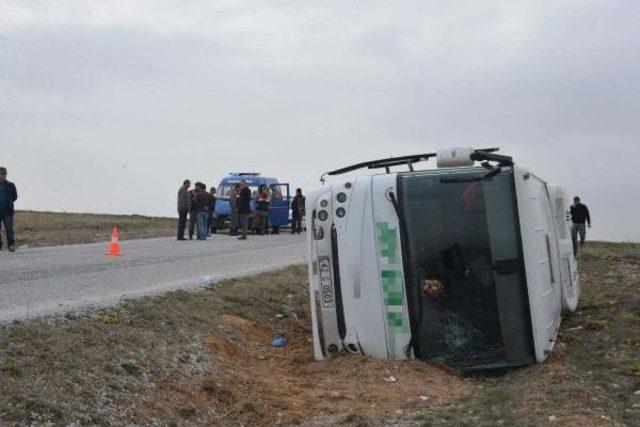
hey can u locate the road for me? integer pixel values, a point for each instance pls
(54, 280)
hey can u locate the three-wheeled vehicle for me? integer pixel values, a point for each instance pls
(468, 264)
(280, 202)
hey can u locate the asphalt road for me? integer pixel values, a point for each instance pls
(56, 280)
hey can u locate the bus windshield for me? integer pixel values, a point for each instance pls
(465, 282)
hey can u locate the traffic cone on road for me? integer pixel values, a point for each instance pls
(114, 246)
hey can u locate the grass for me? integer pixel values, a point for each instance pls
(196, 358)
(594, 372)
(56, 228)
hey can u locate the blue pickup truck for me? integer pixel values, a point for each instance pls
(280, 201)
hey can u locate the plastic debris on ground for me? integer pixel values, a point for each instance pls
(279, 342)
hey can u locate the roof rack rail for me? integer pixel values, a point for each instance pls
(482, 154)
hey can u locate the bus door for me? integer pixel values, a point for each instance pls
(280, 204)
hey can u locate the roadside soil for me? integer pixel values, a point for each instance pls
(204, 358)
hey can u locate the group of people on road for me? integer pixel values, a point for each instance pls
(197, 208)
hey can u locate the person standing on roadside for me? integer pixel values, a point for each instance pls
(212, 226)
(263, 203)
(579, 216)
(8, 196)
(202, 204)
(192, 212)
(233, 209)
(183, 208)
(297, 205)
(244, 209)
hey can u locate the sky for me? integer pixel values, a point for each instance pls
(107, 106)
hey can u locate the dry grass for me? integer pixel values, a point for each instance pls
(594, 372)
(203, 358)
(55, 228)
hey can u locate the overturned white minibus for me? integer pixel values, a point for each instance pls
(469, 264)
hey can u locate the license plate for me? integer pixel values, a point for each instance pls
(326, 283)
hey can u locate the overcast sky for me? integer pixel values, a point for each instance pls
(106, 106)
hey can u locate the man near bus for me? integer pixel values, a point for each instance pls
(244, 208)
(233, 209)
(579, 216)
(202, 205)
(263, 203)
(297, 208)
(212, 223)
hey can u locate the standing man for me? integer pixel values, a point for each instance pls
(244, 208)
(579, 216)
(192, 212)
(213, 226)
(183, 208)
(296, 214)
(8, 195)
(263, 203)
(202, 204)
(233, 209)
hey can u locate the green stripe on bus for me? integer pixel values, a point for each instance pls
(392, 283)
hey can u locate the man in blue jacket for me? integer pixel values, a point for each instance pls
(8, 195)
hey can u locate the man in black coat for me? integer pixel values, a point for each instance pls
(8, 196)
(579, 216)
(297, 212)
(244, 208)
(184, 205)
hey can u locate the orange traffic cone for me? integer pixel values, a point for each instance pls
(114, 246)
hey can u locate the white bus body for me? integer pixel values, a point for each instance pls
(441, 266)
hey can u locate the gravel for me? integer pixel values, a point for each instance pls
(56, 280)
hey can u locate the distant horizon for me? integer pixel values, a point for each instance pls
(176, 218)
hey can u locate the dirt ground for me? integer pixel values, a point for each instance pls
(61, 228)
(288, 386)
(204, 358)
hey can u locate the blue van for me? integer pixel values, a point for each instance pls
(280, 200)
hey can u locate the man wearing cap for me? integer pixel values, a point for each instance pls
(8, 195)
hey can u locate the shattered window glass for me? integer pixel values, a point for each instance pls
(466, 290)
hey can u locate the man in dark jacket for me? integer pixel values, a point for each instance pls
(579, 216)
(183, 208)
(297, 207)
(202, 207)
(233, 209)
(212, 226)
(192, 212)
(244, 208)
(263, 203)
(8, 195)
